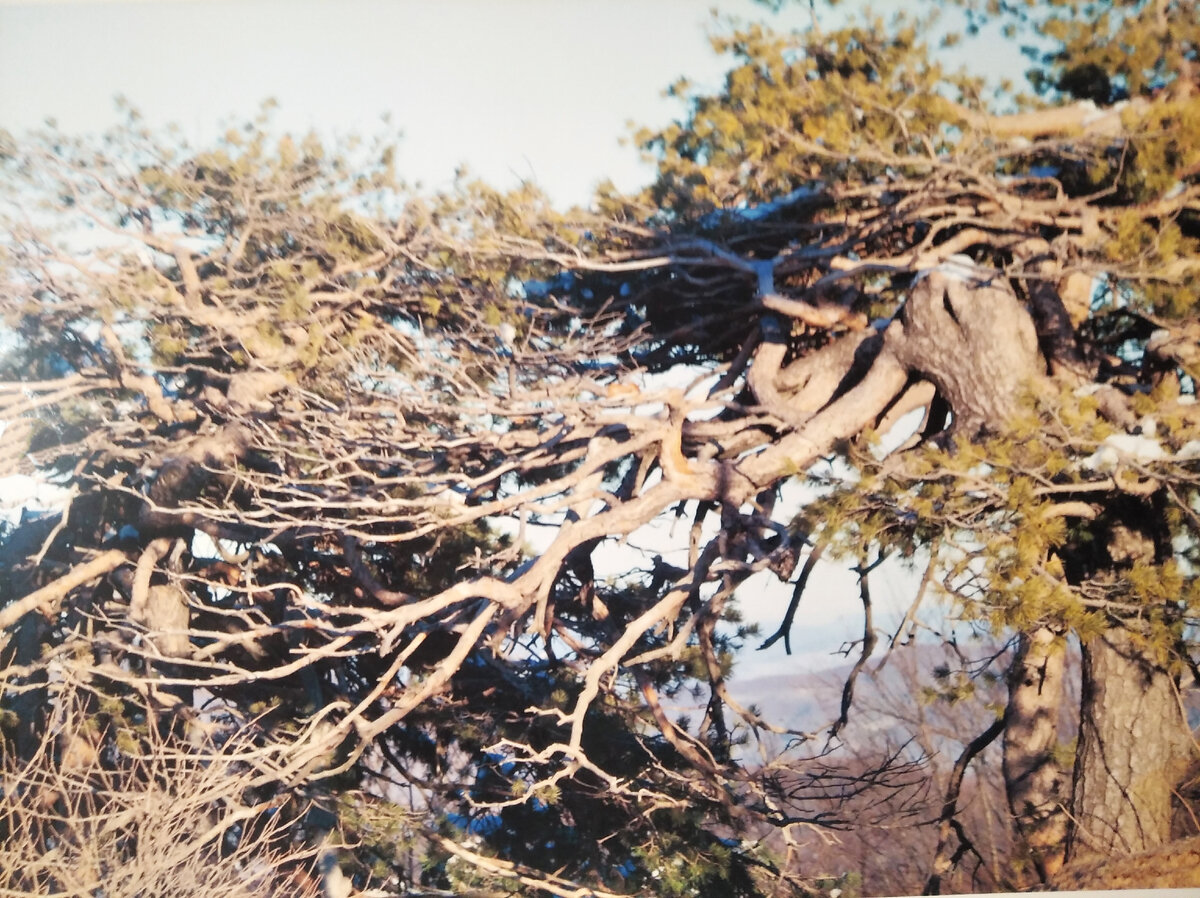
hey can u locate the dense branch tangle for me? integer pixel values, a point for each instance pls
(409, 427)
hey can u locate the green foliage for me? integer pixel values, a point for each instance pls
(288, 349)
(799, 108)
(992, 506)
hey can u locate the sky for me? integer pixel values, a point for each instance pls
(539, 90)
(519, 90)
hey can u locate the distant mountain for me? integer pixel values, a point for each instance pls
(796, 701)
(932, 699)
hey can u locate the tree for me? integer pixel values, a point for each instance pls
(370, 631)
(368, 401)
(1036, 354)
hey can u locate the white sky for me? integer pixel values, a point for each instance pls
(521, 89)
(540, 90)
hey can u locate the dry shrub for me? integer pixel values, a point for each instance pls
(107, 809)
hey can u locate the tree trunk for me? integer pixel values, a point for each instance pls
(1133, 746)
(1035, 778)
(974, 341)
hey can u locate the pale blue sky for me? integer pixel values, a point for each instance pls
(519, 89)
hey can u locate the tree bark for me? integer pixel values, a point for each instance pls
(974, 341)
(1035, 779)
(1133, 746)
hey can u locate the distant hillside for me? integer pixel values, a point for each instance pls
(794, 701)
(904, 692)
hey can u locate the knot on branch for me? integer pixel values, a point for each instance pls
(974, 341)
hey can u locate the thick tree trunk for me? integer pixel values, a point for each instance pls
(1133, 746)
(974, 341)
(1035, 778)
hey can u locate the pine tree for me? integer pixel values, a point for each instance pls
(347, 463)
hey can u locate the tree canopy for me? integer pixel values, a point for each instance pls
(345, 465)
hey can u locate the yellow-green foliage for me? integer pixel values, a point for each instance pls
(991, 506)
(794, 106)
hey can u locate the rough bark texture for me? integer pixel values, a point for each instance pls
(978, 345)
(1037, 783)
(1133, 744)
(168, 618)
(975, 342)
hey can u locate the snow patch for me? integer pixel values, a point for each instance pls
(1124, 447)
